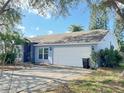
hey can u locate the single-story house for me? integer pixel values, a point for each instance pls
(72, 49)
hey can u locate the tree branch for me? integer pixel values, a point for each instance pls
(113, 3)
(121, 1)
(118, 10)
(4, 6)
(2, 24)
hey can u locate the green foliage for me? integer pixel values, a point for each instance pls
(76, 28)
(55, 7)
(10, 18)
(8, 58)
(9, 45)
(122, 48)
(94, 59)
(98, 17)
(118, 30)
(62, 7)
(108, 57)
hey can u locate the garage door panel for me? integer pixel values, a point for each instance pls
(71, 55)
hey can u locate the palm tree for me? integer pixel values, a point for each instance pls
(75, 28)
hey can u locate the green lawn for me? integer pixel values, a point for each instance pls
(103, 80)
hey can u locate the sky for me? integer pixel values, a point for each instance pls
(35, 25)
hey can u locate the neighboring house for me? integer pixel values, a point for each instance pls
(72, 49)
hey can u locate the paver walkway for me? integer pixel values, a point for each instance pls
(38, 78)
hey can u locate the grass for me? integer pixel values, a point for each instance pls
(103, 80)
(100, 81)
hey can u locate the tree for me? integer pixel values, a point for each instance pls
(59, 6)
(98, 17)
(118, 30)
(10, 10)
(76, 28)
(56, 7)
(9, 16)
(10, 41)
(111, 4)
(63, 6)
(9, 48)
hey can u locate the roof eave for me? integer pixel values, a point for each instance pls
(89, 43)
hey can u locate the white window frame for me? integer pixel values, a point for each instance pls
(43, 53)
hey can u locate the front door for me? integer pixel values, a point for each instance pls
(86, 63)
(27, 52)
(43, 55)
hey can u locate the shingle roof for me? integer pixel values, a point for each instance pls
(74, 37)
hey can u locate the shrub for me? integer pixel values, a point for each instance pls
(8, 58)
(94, 60)
(108, 57)
(122, 48)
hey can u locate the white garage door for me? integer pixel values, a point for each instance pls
(71, 55)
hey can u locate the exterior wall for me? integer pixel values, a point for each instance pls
(71, 55)
(37, 60)
(107, 41)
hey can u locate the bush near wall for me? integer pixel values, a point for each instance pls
(108, 57)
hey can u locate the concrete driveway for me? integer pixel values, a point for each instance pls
(39, 78)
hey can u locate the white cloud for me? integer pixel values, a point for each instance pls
(67, 32)
(20, 27)
(50, 32)
(33, 11)
(37, 28)
(31, 36)
(48, 16)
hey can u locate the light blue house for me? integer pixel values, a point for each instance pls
(72, 49)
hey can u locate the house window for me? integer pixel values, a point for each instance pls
(43, 53)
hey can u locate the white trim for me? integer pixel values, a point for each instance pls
(40, 44)
(43, 53)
